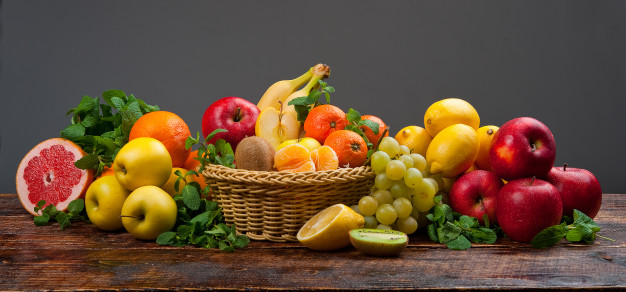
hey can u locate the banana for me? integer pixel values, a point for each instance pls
(320, 71)
(282, 89)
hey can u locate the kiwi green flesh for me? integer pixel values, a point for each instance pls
(378, 242)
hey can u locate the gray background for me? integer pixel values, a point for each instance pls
(562, 62)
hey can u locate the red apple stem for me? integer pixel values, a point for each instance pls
(238, 115)
(532, 180)
(534, 148)
(564, 166)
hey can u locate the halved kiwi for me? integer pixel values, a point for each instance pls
(378, 242)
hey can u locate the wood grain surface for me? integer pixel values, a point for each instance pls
(83, 257)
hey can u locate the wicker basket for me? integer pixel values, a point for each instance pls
(271, 205)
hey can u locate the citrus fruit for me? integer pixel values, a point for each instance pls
(485, 135)
(373, 138)
(447, 112)
(323, 120)
(324, 158)
(350, 148)
(168, 128)
(328, 229)
(106, 171)
(293, 158)
(414, 137)
(142, 162)
(307, 142)
(170, 185)
(452, 151)
(193, 164)
(47, 172)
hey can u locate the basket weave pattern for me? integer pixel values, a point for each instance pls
(272, 205)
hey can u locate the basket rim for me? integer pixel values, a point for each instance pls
(342, 175)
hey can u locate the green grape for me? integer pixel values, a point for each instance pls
(404, 150)
(407, 225)
(407, 160)
(399, 189)
(379, 161)
(395, 169)
(430, 186)
(384, 227)
(383, 197)
(439, 180)
(386, 214)
(403, 207)
(368, 206)
(370, 222)
(413, 178)
(356, 209)
(422, 202)
(419, 161)
(389, 145)
(382, 182)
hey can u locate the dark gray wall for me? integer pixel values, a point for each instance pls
(562, 62)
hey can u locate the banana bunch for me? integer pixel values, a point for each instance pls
(285, 90)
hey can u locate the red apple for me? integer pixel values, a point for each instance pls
(234, 114)
(475, 194)
(526, 206)
(522, 147)
(579, 190)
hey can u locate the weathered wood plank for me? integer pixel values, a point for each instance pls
(83, 257)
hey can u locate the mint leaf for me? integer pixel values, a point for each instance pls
(353, 116)
(166, 238)
(76, 206)
(549, 236)
(73, 131)
(42, 220)
(191, 197)
(374, 126)
(459, 243)
(89, 161)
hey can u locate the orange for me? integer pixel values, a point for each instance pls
(325, 158)
(323, 120)
(293, 158)
(193, 164)
(106, 171)
(373, 138)
(349, 146)
(168, 128)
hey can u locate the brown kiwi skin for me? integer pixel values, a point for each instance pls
(378, 248)
(254, 153)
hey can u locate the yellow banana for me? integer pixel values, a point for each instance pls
(281, 90)
(320, 71)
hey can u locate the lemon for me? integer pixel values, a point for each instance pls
(447, 112)
(452, 151)
(328, 229)
(485, 135)
(414, 137)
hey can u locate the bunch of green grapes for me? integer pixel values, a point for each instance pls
(402, 189)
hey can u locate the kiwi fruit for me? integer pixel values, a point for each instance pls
(378, 242)
(254, 153)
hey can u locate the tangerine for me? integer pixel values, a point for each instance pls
(193, 164)
(106, 171)
(168, 128)
(325, 158)
(350, 147)
(293, 158)
(373, 138)
(323, 120)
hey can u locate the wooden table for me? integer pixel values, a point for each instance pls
(82, 257)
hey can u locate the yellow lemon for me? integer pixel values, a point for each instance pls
(452, 151)
(447, 112)
(414, 137)
(328, 229)
(485, 134)
(170, 183)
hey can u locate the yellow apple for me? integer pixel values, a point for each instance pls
(149, 211)
(142, 162)
(276, 127)
(103, 203)
(169, 184)
(308, 142)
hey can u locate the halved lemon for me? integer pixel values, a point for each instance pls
(329, 229)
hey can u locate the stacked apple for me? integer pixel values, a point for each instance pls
(537, 194)
(132, 198)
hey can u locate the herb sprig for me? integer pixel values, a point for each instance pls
(75, 212)
(582, 229)
(304, 104)
(99, 131)
(457, 231)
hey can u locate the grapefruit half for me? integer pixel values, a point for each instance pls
(47, 172)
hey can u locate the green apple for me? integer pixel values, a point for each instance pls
(103, 203)
(142, 162)
(149, 211)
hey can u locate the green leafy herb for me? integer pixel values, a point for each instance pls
(304, 104)
(99, 131)
(200, 222)
(581, 229)
(75, 212)
(456, 231)
(219, 153)
(355, 122)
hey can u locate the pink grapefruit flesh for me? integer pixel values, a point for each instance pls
(47, 172)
